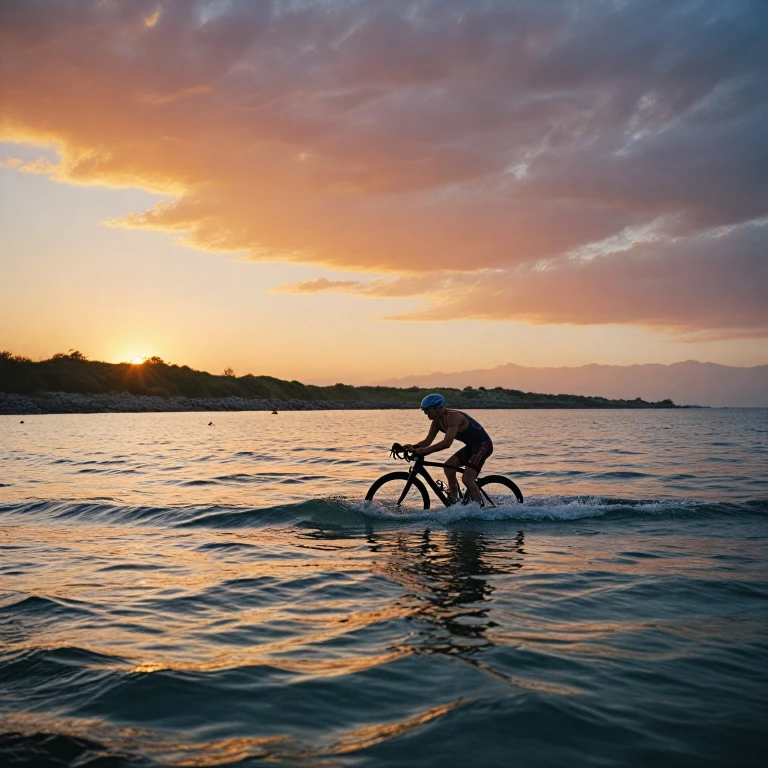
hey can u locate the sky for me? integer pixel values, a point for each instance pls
(355, 190)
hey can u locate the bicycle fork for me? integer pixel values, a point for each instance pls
(407, 486)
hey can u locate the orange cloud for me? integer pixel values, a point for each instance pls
(718, 283)
(321, 285)
(412, 285)
(426, 140)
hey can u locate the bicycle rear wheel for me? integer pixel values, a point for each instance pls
(386, 491)
(499, 491)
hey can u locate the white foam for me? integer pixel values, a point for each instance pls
(547, 508)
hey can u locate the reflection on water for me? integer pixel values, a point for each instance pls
(446, 573)
(301, 640)
(194, 598)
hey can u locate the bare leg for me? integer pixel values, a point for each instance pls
(470, 480)
(450, 473)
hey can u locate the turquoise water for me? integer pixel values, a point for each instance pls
(178, 594)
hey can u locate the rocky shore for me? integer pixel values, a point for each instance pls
(68, 402)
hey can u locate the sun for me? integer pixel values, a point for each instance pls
(137, 360)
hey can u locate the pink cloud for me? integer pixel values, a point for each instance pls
(421, 140)
(716, 283)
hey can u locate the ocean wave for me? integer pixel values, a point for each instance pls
(30, 605)
(572, 508)
(340, 511)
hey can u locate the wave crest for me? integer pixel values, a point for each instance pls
(343, 511)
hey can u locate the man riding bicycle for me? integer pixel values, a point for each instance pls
(456, 425)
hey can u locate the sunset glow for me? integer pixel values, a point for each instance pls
(384, 382)
(477, 174)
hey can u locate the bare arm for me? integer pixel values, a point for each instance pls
(433, 428)
(453, 422)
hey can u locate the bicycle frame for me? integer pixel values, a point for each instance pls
(418, 469)
(438, 487)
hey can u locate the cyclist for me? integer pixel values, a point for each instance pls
(456, 425)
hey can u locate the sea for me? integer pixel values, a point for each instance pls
(211, 589)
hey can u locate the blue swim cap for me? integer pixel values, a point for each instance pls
(433, 401)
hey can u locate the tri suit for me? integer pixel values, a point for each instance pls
(477, 443)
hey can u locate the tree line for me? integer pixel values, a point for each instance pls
(74, 372)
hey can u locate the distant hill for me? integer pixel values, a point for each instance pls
(73, 373)
(688, 383)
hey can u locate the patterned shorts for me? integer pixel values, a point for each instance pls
(474, 456)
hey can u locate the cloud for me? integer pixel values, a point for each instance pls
(412, 285)
(708, 287)
(422, 139)
(321, 285)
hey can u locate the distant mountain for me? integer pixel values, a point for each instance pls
(688, 383)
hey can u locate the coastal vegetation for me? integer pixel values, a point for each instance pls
(72, 372)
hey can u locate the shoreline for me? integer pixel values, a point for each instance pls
(12, 404)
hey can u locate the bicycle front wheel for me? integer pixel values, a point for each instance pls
(499, 491)
(386, 492)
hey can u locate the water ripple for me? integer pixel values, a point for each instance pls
(229, 599)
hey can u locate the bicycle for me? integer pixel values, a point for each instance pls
(396, 489)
